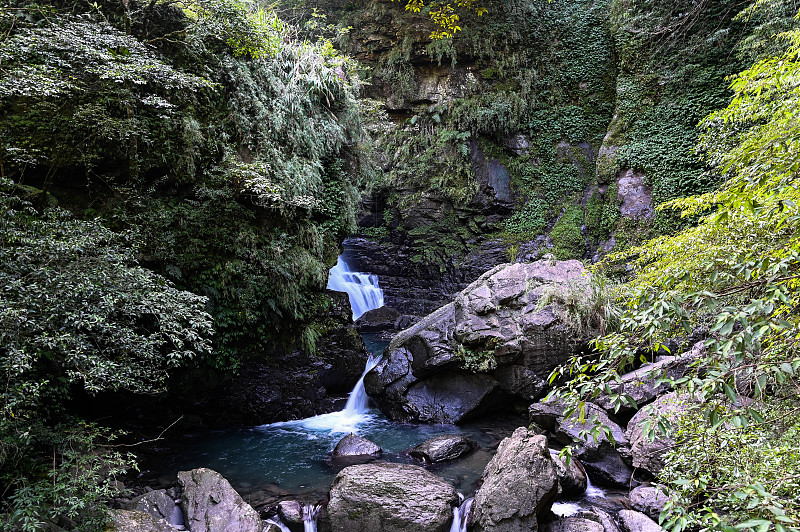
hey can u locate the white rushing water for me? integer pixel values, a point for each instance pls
(310, 515)
(361, 288)
(355, 412)
(460, 516)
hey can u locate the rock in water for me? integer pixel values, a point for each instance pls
(519, 484)
(491, 345)
(137, 521)
(444, 447)
(210, 504)
(637, 522)
(353, 445)
(388, 497)
(378, 319)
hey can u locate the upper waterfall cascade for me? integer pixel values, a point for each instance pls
(361, 288)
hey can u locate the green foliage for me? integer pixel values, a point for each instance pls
(76, 311)
(738, 269)
(568, 240)
(481, 361)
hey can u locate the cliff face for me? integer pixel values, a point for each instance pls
(541, 128)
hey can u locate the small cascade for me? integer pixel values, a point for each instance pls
(277, 522)
(361, 288)
(310, 515)
(358, 401)
(592, 491)
(461, 515)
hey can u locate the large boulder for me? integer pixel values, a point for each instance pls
(354, 445)
(492, 345)
(389, 497)
(137, 521)
(646, 454)
(210, 504)
(602, 458)
(444, 447)
(519, 484)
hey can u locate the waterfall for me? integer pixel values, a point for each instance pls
(358, 402)
(310, 514)
(461, 515)
(593, 491)
(277, 522)
(361, 288)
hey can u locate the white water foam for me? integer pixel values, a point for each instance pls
(566, 509)
(461, 515)
(361, 288)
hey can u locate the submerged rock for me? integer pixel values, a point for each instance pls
(137, 521)
(519, 484)
(389, 497)
(492, 345)
(444, 447)
(210, 504)
(354, 445)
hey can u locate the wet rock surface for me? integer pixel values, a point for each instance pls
(210, 504)
(443, 448)
(353, 445)
(378, 319)
(388, 497)
(519, 484)
(491, 346)
(157, 503)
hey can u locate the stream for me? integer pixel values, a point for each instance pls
(292, 459)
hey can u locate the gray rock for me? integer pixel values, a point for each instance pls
(495, 325)
(572, 479)
(157, 503)
(519, 484)
(137, 521)
(646, 454)
(636, 198)
(632, 521)
(649, 500)
(353, 445)
(378, 319)
(291, 513)
(609, 525)
(572, 524)
(640, 384)
(210, 504)
(444, 447)
(602, 458)
(389, 497)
